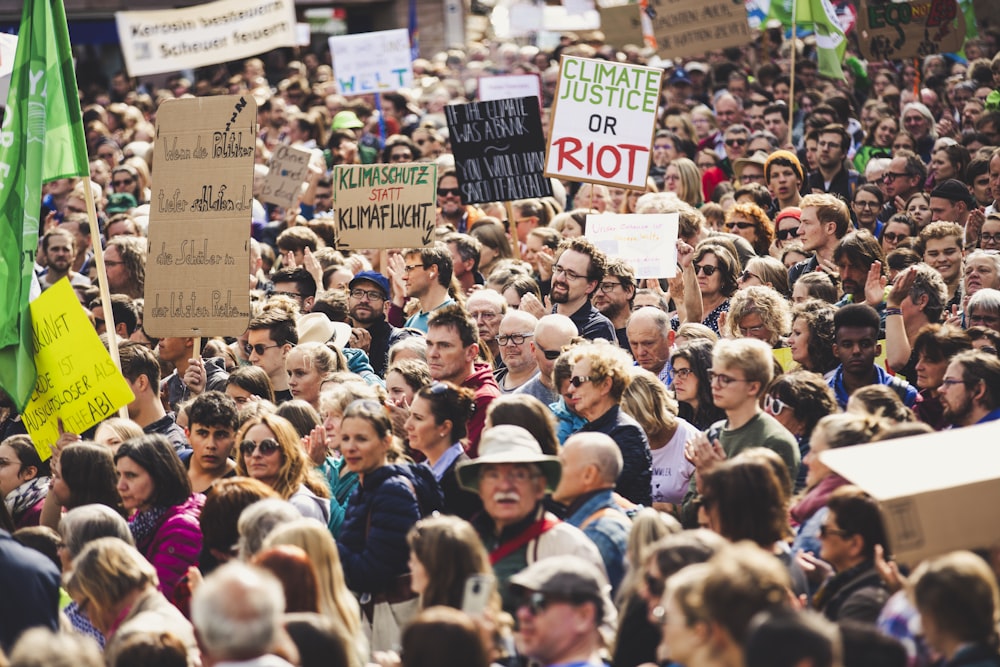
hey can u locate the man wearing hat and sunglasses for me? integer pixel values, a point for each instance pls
(511, 477)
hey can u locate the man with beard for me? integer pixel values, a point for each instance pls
(367, 295)
(832, 174)
(578, 270)
(970, 389)
(59, 250)
(514, 338)
(854, 255)
(614, 297)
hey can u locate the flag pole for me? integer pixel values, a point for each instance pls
(791, 78)
(102, 282)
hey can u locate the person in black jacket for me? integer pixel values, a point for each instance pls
(30, 585)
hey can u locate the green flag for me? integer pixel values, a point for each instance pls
(820, 18)
(41, 140)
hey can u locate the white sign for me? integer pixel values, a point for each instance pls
(168, 40)
(525, 19)
(372, 62)
(603, 118)
(577, 7)
(648, 243)
(8, 46)
(509, 87)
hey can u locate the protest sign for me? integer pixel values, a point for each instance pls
(499, 149)
(511, 85)
(168, 40)
(694, 27)
(77, 381)
(286, 172)
(935, 479)
(199, 217)
(603, 119)
(385, 205)
(372, 62)
(525, 18)
(897, 30)
(622, 24)
(647, 243)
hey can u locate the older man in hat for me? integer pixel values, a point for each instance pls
(511, 476)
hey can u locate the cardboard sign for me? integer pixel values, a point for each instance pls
(934, 482)
(372, 62)
(385, 205)
(603, 118)
(648, 243)
(621, 25)
(168, 40)
(897, 30)
(286, 173)
(512, 85)
(199, 217)
(685, 28)
(499, 149)
(77, 381)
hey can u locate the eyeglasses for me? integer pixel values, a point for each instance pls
(517, 339)
(893, 237)
(444, 192)
(259, 348)
(123, 183)
(825, 531)
(266, 447)
(517, 475)
(890, 176)
(775, 405)
(372, 295)
(551, 355)
(487, 315)
(536, 602)
(723, 379)
(989, 321)
(401, 157)
(787, 233)
(947, 382)
(609, 287)
(989, 238)
(706, 269)
(751, 178)
(682, 373)
(746, 275)
(741, 224)
(570, 275)
(866, 204)
(736, 142)
(579, 380)
(293, 295)
(410, 267)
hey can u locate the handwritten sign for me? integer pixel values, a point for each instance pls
(286, 173)
(511, 85)
(372, 62)
(694, 27)
(77, 381)
(167, 40)
(499, 149)
(622, 24)
(896, 30)
(647, 242)
(385, 205)
(199, 217)
(603, 118)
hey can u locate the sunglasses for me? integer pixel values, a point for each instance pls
(444, 192)
(706, 269)
(266, 447)
(826, 531)
(788, 233)
(740, 224)
(775, 405)
(536, 602)
(893, 237)
(746, 275)
(579, 380)
(259, 348)
(551, 355)
(736, 142)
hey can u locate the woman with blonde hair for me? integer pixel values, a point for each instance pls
(308, 365)
(270, 450)
(768, 272)
(683, 178)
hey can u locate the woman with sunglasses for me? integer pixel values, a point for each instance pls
(691, 363)
(163, 512)
(786, 226)
(751, 222)
(435, 428)
(812, 336)
(717, 272)
(270, 451)
(125, 180)
(766, 271)
(867, 202)
(896, 230)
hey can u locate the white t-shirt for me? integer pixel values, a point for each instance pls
(671, 471)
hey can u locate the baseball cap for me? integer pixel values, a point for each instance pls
(372, 277)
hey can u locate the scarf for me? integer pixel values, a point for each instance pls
(24, 497)
(145, 524)
(816, 497)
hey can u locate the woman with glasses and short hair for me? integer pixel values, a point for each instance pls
(866, 205)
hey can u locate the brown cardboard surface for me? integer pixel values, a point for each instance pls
(286, 173)
(892, 31)
(385, 205)
(685, 28)
(621, 25)
(199, 219)
(939, 492)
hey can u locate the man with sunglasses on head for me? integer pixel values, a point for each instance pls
(552, 333)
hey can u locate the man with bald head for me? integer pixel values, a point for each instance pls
(650, 339)
(592, 463)
(517, 328)
(551, 333)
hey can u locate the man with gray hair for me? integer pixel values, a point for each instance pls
(592, 463)
(552, 333)
(258, 520)
(237, 614)
(650, 337)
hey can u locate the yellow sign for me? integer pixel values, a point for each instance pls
(77, 381)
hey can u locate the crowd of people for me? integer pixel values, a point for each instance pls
(504, 447)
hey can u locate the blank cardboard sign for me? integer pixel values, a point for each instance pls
(198, 262)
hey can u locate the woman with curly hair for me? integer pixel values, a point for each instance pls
(751, 222)
(759, 312)
(812, 337)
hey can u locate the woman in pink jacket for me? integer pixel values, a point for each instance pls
(163, 512)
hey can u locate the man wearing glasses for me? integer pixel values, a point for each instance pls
(514, 338)
(614, 296)
(904, 176)
(367, 295)
(426, 276)
(576, 274)
(270, 337)
(832, 174)
(552, 333)
(970, 389)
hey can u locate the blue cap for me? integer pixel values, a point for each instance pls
(372, 277)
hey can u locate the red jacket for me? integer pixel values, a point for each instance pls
(482, 382)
